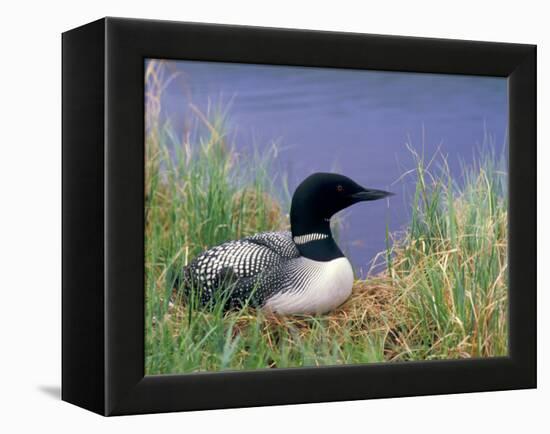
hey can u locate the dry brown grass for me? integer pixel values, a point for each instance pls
(372, 309)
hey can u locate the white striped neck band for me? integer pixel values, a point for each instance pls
(302, 239)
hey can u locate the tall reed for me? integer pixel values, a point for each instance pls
(450, 271)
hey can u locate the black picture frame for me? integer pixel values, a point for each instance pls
(103, 223)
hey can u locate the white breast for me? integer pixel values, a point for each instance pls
(315, 287)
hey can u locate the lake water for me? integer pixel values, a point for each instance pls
(349, 121)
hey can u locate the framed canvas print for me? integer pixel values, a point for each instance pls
(258, 216)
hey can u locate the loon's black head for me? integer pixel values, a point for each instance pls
(322, 195)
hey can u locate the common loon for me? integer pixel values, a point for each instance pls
(301, 271)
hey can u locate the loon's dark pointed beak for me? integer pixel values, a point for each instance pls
(370, 194)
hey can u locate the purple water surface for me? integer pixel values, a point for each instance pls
(354, 122)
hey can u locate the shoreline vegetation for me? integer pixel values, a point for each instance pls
(443, 294)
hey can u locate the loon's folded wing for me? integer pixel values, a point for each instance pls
(280, 243)
(239, 263)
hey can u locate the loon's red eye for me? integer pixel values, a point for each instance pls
(339, 188)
